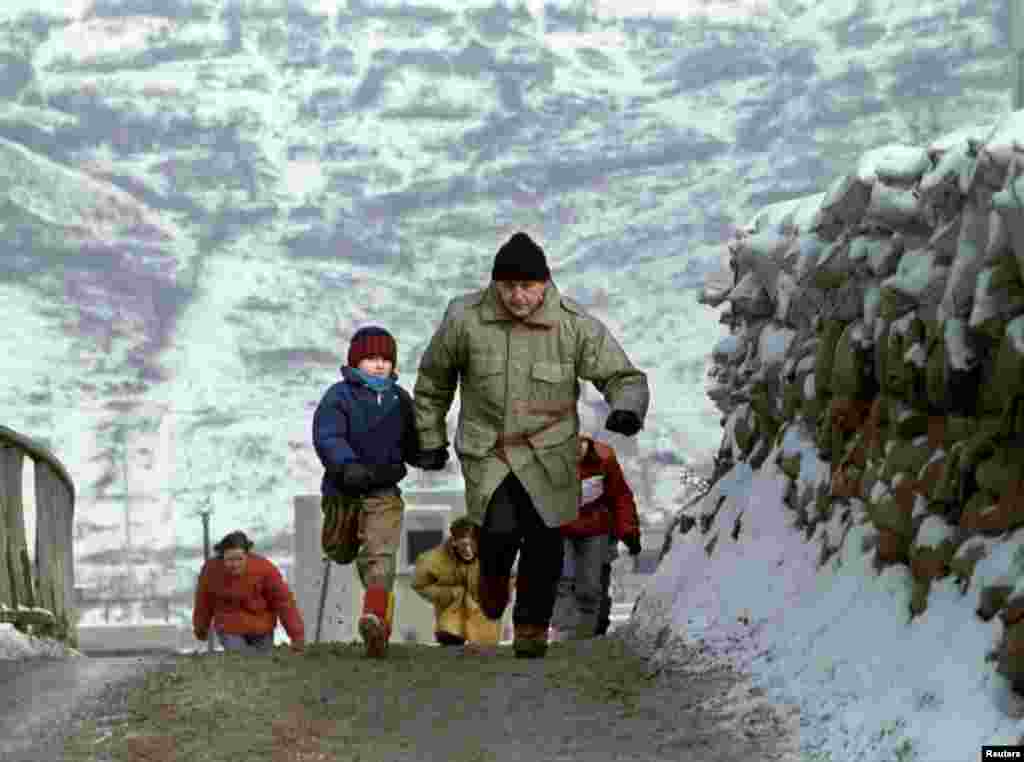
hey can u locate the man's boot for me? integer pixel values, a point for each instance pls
(531, 640)
(374, 623)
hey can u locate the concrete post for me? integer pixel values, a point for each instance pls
(1017, 52)
(206, 556)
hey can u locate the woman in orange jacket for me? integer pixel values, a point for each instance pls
(607, 512)
(244, 595)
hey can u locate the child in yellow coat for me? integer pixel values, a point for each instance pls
(449, 577)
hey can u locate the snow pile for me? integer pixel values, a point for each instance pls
(17, 645)
(857, 554)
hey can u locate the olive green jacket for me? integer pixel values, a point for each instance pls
(520, 377)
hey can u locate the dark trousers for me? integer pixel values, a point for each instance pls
(604, 613)
(512, 525)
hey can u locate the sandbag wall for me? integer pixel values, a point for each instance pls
(882, 324)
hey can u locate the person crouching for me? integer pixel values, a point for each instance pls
(449, 577)
(243, 595)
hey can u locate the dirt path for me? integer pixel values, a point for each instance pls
(42, 699)
(597, 700)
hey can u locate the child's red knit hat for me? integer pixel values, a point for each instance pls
(369, 341)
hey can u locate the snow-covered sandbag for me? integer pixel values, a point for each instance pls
(844, 204)
(936, 378)
(872, 306)
(960, 137)
(773, 344)
(864, 248)
(775, 218)
(1005, 140)
(761, 254)
(745, 429)
(917, 279)
(894, 208)
(905, 456)
(716, 290)
(998, 472)
(1008, 373)
(727, 349)
(998, 297)
(933, 547)
(804, 252)
(884, 262)
(852, 364)
(829, 331)
(993, 514)
(847, 301)
(900, 372)
(947, 170)
(786, 293)
(806, 210)
(895, 163)
(834, 266)
(1009, 205)
(999, 238)
(967, 262)
(750, 299)
(944, 240)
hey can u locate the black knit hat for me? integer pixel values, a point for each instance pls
(369, 341)
(520, 259)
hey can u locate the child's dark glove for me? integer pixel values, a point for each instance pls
(633, 543)
(433, 460)
(387, 474)
(624, 422)
(356, 477)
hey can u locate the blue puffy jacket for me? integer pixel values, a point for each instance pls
(354, 424)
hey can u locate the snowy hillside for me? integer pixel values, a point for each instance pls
(206, 198)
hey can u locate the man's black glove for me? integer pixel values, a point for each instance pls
(633, 543)
(624, 422)
(356, 478)
(387, 474)
(433, 460)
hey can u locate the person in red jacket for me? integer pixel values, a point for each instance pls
(607, 513)
(243, 595)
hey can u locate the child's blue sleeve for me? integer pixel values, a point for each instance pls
(330, 429)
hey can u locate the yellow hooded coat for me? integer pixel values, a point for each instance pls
(453, 586)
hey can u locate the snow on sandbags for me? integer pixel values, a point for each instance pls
(961, 136)
(917, 279)
(895, 163)
(998, 297)
(761, 254)
(774, 218)
(844, 203)
(1005, 141)
(895, 208)
(969, 258)
(792, 216)
(750, 299)
(885, 316)
(719, 282)
(1008, 204)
